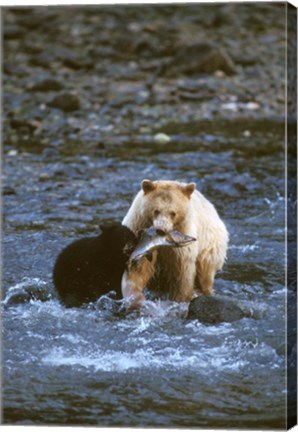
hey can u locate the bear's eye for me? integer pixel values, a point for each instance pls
(156, 212)
(172, 214)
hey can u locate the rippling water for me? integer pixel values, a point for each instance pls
(87, 366)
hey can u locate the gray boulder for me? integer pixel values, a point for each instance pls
(217, 309)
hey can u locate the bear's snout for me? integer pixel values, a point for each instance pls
(162, 225)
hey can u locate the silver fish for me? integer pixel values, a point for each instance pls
(152, 239)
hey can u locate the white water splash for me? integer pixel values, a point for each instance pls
(245, 248)
(166, 359)
(25, 283)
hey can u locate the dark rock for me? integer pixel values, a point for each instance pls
(144, 48)
(221, 18)
(73, 59)
(255, 22)
(200, 58)
(25, 294)
(7, 190)
(77, 63)
(32, 48)
(37, 19)
(217, 309)
(66, 102)
(46, 85)
(10, 68)
(25, 125)
(42, 60)
(19, 11)
(18, 297)
(194, 91)
(40, 293)
(12, 32)
(30, 22)
(245, 60)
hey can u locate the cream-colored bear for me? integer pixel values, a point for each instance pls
(180, 272)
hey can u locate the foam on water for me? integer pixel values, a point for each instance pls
(157, 339)
(146, 343)
(27, 281)
(166, 359)
(245, 248)
(25, 284)
(233, 355)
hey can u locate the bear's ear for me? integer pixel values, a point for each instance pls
(189, 189)
(107, 226)
(148, 186)
(104, 227)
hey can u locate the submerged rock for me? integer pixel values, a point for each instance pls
(217, 309)
(8, 190)
(24, 292)
(66, 102)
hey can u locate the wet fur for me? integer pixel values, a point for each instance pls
(92, 266)
(179, 272)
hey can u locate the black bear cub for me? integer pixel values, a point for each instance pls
(92, 266)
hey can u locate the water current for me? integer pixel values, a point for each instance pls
(88, 367)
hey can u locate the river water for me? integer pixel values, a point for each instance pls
(89, 367)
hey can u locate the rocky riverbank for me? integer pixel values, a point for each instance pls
(97, 75)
